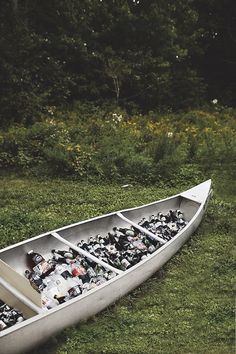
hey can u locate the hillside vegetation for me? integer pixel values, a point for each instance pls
(95, 144)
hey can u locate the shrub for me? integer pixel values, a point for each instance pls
(111, 145)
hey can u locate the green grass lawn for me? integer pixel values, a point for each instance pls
(187, 307)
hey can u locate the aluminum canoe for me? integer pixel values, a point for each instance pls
(42, 324)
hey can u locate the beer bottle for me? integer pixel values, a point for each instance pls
(79, 271)
(179, 214)
(127, 232)
(59, 260)
(91, 272)
(48, 303)
(152, 219)
(111, 238)
(84, 246)
(173, 216)
(65, 254)
(144, 223)
(96, 246)
(124, 263)
(34, 259)
(60, 299)
(38, 264)
(2, 325)
(63, 270)
(35, 280)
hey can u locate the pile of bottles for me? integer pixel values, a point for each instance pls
(9, 316)
(64, 276)
(67, 274)
(165, 226)
(122, 248)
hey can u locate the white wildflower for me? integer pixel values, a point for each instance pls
(117, 117)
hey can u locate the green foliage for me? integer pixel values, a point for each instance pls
(111, 145)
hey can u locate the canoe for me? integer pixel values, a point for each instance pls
(40, 323)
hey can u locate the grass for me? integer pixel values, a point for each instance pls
(187, 307)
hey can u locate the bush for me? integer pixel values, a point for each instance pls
(111, 145)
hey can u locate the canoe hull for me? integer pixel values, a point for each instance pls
(38, 329)
(43, 326)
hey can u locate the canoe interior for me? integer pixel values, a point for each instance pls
(16, 257)
(94, 227)
(13, 260)
(15, 302)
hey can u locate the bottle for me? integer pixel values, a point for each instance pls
(74, 291)
(100, 240)
(83, 245)
(112, 238)
(173, 226)
(8, 319)
(117, 263)
(55, 285)
(87, 262)
(152, 219)
(78, 270)
(137, 256)
(63, 270)
(92, 284)
(48, 303)
(38, 264)
(74, 288)
(111, 275)
(144, 223)
(91, 272)
(96, 246)
(17, 315)
(124, 263)
(35, 280)
(9, 316)
(150, 246)
(57, 259)
(65, 254)
(179, 214)
(60, 299)
(139, 245)
(152, 240)
(34, 258)
(2, 325)
(111, 249)
(127, 232)
(99, 270)
(100, 280)
(173, 216)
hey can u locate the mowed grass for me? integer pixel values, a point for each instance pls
(187, 307)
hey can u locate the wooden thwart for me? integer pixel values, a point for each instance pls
(20, 283)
